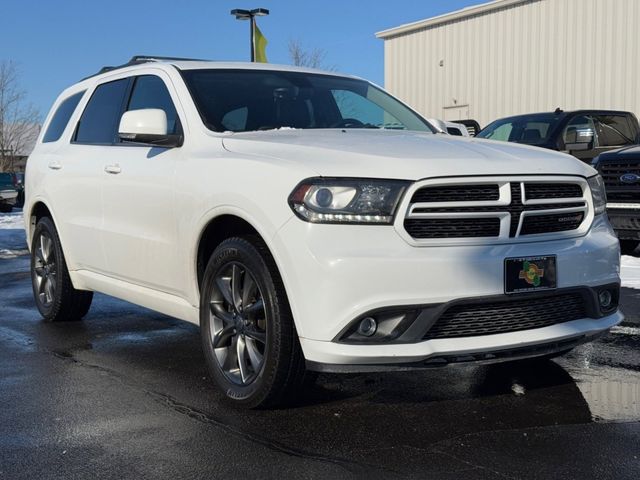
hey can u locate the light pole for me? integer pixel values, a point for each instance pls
(251, 16)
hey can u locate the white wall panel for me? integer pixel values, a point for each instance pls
(527, 56)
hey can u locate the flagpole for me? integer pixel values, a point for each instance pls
(253, 40)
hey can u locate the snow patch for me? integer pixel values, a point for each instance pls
(11, 220)
(630, 271)
(6, 253)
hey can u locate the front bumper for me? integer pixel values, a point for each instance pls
(336, 357)
(625, 220)
(334, 274)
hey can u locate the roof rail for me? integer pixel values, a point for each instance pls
(138, 59)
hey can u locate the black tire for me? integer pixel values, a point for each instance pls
(5, 208)
(53, 291)
(277, 376)
(627, 247)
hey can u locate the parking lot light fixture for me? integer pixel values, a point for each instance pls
(242, 14)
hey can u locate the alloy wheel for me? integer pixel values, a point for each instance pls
(238, 323)
(45, 270)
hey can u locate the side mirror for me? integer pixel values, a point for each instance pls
(579, 139)
(148, 125)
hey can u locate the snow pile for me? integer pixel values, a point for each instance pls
(12, 238)
(630, 271)
(11, 220)
(7, 254)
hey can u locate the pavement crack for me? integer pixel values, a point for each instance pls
(268, 443)
(203, 417)
(473, 464)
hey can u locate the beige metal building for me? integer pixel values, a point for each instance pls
(517, 56)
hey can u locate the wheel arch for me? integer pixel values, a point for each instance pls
(38, 210)
(214, 232)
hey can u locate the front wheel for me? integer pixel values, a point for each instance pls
(248, 335)
(53, 291)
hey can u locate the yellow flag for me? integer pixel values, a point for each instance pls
(260, 44)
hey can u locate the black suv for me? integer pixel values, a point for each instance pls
(582, 133)
(621, 172)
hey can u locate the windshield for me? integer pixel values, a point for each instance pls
(529, 129)
(247, 100)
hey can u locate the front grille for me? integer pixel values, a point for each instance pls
(555, 222)
(452, 227)
(611, 173)
(542, 191)
(474, 319)
(623, 197)
(433, 213)
(456, 193)
(617, 190)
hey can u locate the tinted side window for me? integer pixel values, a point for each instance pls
(150, 91)
(614, 130)
(102, 114)
(60, 119)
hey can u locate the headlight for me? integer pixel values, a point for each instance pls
(598, 193)
(336, 200)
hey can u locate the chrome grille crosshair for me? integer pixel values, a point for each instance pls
(496, 209)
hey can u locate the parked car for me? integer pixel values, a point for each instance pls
(9, 191)
(450, 128)
(583, 133)
(620, 170)
(309, 221)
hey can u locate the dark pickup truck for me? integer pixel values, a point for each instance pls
(620, 170)
(583, 133)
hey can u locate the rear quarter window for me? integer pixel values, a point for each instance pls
(61, 118)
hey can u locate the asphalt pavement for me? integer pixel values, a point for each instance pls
(125, 394)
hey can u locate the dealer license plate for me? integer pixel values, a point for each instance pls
(526, 274)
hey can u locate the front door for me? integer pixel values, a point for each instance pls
(140, 211)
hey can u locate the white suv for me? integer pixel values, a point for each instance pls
(311, 222)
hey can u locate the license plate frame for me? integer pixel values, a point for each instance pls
(530, 274)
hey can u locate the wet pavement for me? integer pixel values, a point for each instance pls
(125, 394)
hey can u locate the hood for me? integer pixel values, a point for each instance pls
(401, 154)
(622, 154)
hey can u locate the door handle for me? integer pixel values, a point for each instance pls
(55, 166)
(113, 169)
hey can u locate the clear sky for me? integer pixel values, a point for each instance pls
(58, 42)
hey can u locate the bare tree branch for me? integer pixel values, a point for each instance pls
(19, 121)
(314, 58)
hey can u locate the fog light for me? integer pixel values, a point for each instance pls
(605, 298)
(367, 327)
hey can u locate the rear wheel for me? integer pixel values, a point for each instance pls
(53, 292)
(248, 335)
(627, 247)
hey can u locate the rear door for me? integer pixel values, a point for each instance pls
(76, 195)
(140, 211)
